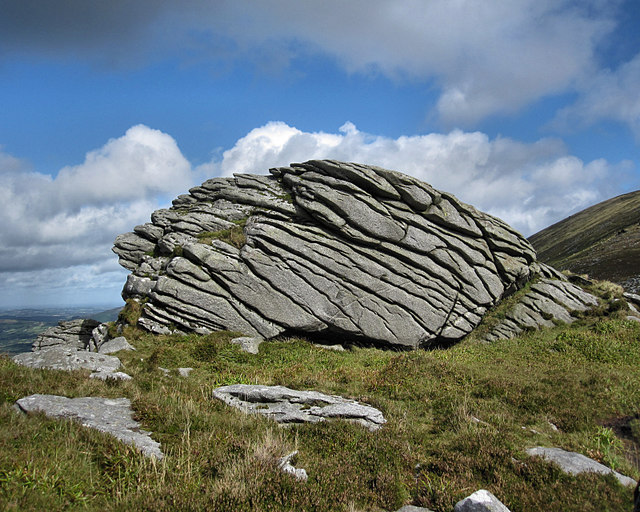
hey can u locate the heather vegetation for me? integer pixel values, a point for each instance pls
(459, 419)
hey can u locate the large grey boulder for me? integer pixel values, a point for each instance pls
(110, 415)
(326, 248)
(68, 358)
(576, 463)
(286, 405)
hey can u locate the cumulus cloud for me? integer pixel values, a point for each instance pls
(486, 57)
(56, 238)
(528, 185)
(72, 218)
(610, 95)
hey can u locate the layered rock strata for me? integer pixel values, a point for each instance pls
(548, 301)
(325, 248)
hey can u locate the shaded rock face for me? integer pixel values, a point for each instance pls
(72, 333)
(323, 248)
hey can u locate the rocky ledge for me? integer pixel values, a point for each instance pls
(323, 248)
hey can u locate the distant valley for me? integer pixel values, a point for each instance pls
(19, 327)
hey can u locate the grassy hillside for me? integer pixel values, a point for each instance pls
(459, 420)
(602, 241)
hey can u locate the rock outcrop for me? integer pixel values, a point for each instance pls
(547, 301)
(323, 248)
(72, 333)
(286, 405)
(110, 415)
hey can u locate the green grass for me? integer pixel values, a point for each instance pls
(233, 236)
(582, 378)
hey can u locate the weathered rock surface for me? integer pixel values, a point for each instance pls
(324, 248)
(548, 300)
(480, 501)
(68, 358)
(115, 345)
(286, 465)
(248, 344)
(110, 376)
(286, 405)
(411, 508)
(110, 415)
(575, 463)
(72, 333)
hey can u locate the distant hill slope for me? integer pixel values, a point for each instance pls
(602, 241)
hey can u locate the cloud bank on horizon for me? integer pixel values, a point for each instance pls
(480, 60)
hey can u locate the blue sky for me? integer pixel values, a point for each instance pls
(527, 109)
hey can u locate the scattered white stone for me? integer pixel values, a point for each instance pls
(575, 463)
(110, 415)
(285, 464)
(184, 372)
(248, 344)
(633, 318)
(480, 501)
(553, 427)
(110, 375)
(166, 371)
(411, 508)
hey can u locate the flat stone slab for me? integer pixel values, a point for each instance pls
(248, 344)
(286, 405)
(576, 463)
(110, 415)
(115, 345)
(480, 501)
(68, 358)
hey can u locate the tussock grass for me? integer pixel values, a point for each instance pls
(459, 419)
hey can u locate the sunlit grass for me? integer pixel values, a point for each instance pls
(459, 419)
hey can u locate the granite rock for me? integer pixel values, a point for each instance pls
(323, 248)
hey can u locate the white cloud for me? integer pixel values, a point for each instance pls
(55, 242)
(73, 218)
(610, 95)
(529, 185)
(487, 57)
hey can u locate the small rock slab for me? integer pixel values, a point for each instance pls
(286, 405)
(110, 375)
(412, 508)
(248, 344)
(68, 358)
(480, 501)
(110, 415)
(575, 463)
(115, 345)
